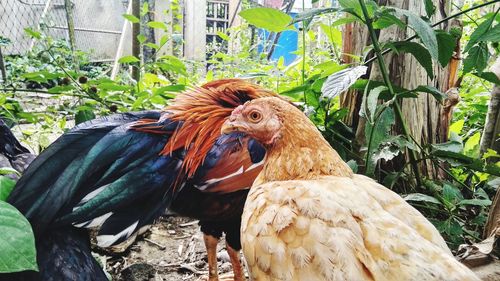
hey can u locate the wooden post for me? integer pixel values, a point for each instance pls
(71, 23)
(195, 29)
(2, 67)
(71, 27)
(136, 46)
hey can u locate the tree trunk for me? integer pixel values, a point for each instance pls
(426, 118)
(490, 138)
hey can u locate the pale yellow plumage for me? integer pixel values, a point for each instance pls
(340, 228)
(308, 217)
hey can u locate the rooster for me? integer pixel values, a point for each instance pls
(12, 153)
(120, 173)
(308, 217)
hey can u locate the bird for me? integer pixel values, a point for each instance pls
(121, 172)
(12, 153)
(309, 217)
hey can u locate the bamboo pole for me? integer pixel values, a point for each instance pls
(121, 44)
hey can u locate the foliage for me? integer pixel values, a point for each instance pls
(17, 242)
(456, 201)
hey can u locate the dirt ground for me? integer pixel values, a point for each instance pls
(171, 250)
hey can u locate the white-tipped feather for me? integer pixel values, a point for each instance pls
(108, 240)
(96, 222)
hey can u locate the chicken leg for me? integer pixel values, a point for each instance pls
(234, 256)
(211, 246)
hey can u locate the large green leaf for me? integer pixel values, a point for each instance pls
(17, 242)
(478, 33)
(378, 133)
(477, 58)
(420, 53)
(267, 18)
(6, 186)
(446, 46)
(423, 30)
(493, 35)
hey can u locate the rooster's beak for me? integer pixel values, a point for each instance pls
(232, 126)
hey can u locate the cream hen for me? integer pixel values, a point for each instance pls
(308, 217)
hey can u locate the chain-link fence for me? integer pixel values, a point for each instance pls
(97, 24)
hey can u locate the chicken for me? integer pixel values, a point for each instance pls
(12, 153)
(119, 173)
(308, 217)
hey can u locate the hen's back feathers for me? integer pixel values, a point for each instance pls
(340, 228)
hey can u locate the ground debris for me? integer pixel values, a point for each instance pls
(171, 250)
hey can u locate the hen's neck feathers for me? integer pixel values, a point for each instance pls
(301, 152)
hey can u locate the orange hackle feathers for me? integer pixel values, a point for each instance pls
(202, 111)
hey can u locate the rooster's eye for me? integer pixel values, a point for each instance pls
(255, 116)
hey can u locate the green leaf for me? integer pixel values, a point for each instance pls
(32, 33)
(419, 197)
(267, 18)
(131, 18)
(17, 242)
(477, 58)
(141, 38)
(6, 187)
(478, 33)
(308, 15)
(454, 145)
(381, 130)
(493, 35)
(468, 162)
(83, 116)
(456, 127)
(158, 25)
(60, 89)
(8, 171)
(344, 20)
(476, 202)
(451, 194)
(112, 86)
(446, 47)
(471, 146)
(386, 19)
(152, 45)
(437, 94)
(145, 9)
(423, 30)
(223, 36)
(488, 76)
(429, 8)
(420, 53)
(333, 34)
(128, 59)
(353, 165)
(370, 103)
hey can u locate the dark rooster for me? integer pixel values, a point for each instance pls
(120, 173)
(12, 153)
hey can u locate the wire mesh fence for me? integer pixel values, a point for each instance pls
(97, 24)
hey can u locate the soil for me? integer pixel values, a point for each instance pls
(171, 250)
